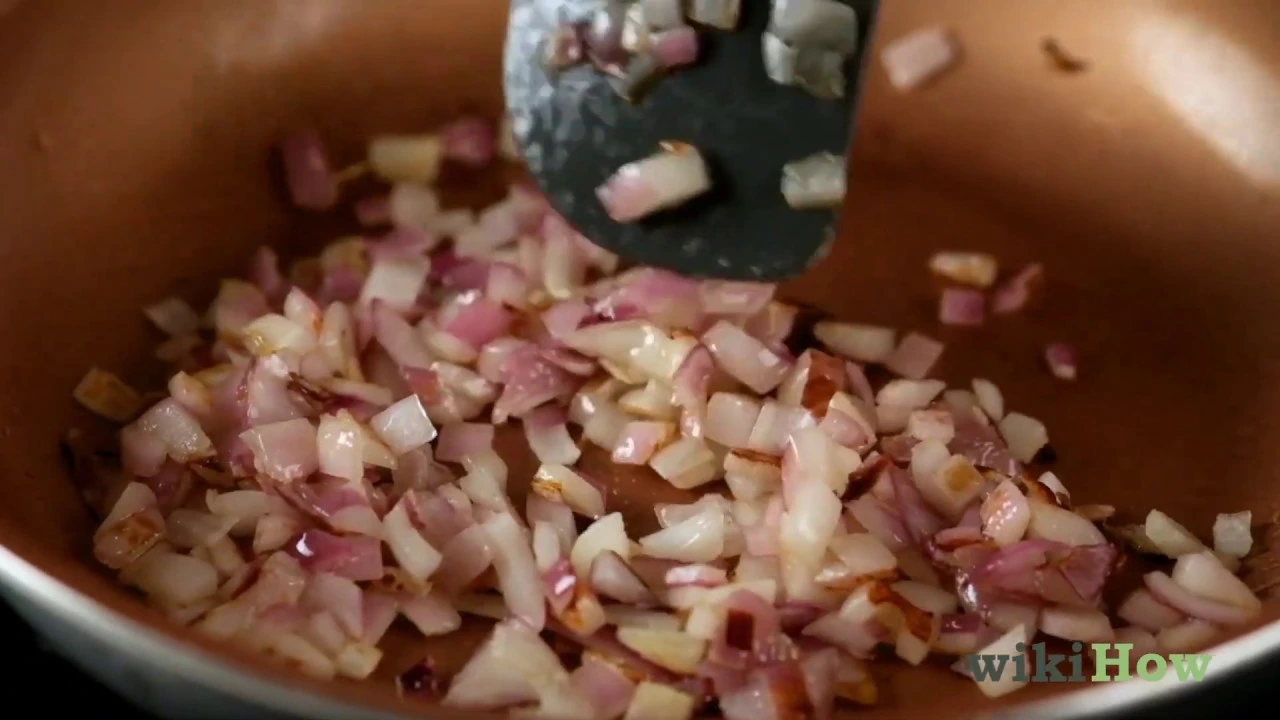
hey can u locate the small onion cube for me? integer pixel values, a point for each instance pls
(1232, 534)
(914, 356)
(661, 181)
(820, 72)
(919, 56)
(1024, 434)
(990, 399)
(824, 24)
(864, 343)
(404, 426)
(1169, 536)
(686, 463)
(174, 316)
(967, 268)
(961, 306)
(561, 484)
(817, 181)
(780, 59)
(1061, 359)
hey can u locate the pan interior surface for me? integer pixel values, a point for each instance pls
(136, 140)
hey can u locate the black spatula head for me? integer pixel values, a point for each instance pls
(575, 130)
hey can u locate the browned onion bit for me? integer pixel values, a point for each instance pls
(420, 681)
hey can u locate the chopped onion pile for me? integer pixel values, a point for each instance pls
(324, 466)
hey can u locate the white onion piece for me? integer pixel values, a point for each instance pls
(669, 178)
(934, 425)
(192, 528)
(518, 578)
(918, 57)
(549, 438)
(1006, 515)
(909, 394)
(513, 667)
(180, 432)
(1050, 522)
(653, 401)
(1171, 538)
(1085, 625)
(606, 534)
(914, 357)
(1024, 434)
(412, 551)
(1203, 574)
(271, 334)
(639, 440)
(612, 577)
(700, 538)
(654, 701)
(173, 316)
(744, 357)
(285, 451)
(686, 463)
(1052, 482)
(730, 419)
(1006, 646)
(1141, 608)
(864, 343)
(1190, 636)
(676, 651)
(560, 484)
(816, 181)
(1232, 534)
(635, 345)
(172, 579)
(863, 555)
(989, 398)
(395, 280)
(404, 426)
(340, 447)
(968, 268)
(933, 600)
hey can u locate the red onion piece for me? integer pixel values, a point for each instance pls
(548, 436)
(918, 57)
(354, 557)
(665, 180)
(1016, 292)
(312, 183)
(744, 357)
(960, 306)
(469, 141)
(914, 357)
(676, 47)
(1061, 359)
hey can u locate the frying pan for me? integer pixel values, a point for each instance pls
(134, 140)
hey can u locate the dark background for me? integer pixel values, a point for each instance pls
(1254, 693)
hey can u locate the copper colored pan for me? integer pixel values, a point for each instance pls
(133, 138)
